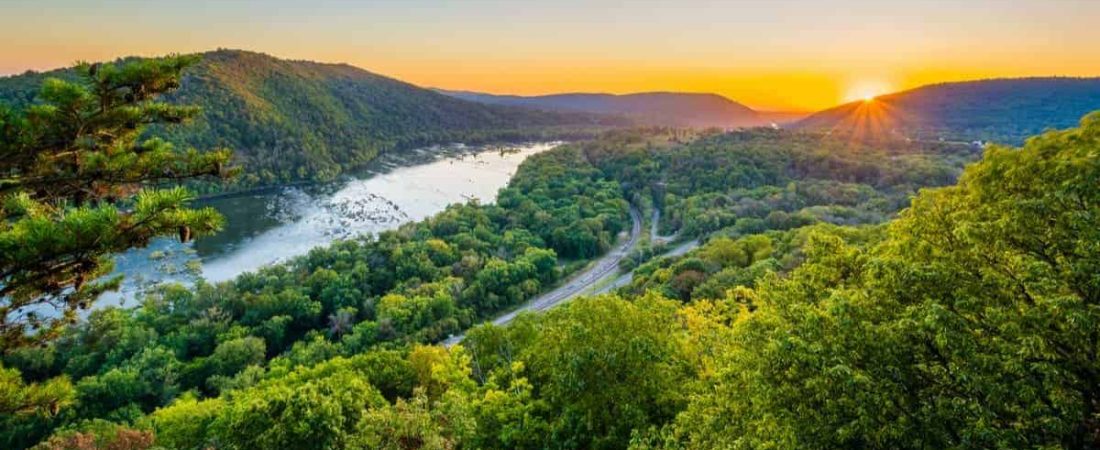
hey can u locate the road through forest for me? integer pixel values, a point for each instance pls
(607, 265)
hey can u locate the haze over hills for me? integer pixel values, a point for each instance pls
(296, 120)
(300, 120)
(651, 108)
(1000, 110)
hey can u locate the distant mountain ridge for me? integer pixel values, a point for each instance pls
(651, 108)
(300, 120)
(1001, 110)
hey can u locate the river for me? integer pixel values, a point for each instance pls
(272, 226)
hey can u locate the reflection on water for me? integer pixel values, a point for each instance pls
(269, 227)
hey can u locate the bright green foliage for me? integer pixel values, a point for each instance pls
(17, 397)
(184, 424)
(309, 409)
(437, 416)
(72, 171)
(26, 408)
(724, 263)
(583, 376)
(606, 367)
(1008, 264)
(973, 324)
(335, 404)
(508, 416)
(409, 424)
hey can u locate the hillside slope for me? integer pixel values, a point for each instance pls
(1001, 110)
(298, 120)
(652, 108)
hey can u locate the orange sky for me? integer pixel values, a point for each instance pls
(771, 55)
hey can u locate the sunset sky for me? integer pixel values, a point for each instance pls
(768, 54)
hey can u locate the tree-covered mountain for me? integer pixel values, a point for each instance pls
(298, 120)
(1001, 110)
(651, 108)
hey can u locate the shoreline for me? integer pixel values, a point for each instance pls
(407, 158)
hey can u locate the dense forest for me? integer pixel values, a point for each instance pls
(845, 294)
(705, 182)
(708, 184)
(418, 283)
(834, 336)
(299, 120)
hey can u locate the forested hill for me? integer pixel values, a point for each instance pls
(653, 108)
(1001, 110)
(293, 120)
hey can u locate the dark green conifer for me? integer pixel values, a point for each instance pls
(80, 182)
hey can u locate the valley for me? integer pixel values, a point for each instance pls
(310, 259)
(292, 121)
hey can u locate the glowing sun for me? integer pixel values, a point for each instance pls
(866, 90)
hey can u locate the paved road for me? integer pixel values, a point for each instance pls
(681, 249)
(626, 278)
(654, 236)
(605, 266)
